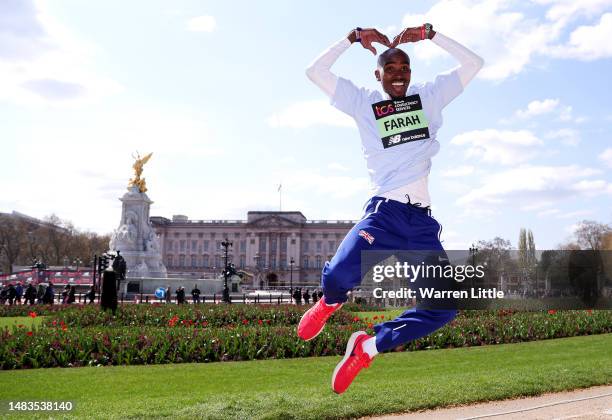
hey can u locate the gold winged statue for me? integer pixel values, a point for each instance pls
(138, 164)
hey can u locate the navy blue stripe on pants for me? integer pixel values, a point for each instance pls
(388, 225)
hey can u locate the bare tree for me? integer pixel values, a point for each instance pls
(495, 253)
(24, 239)
(57, 237)
(591, 234)
(10, 241)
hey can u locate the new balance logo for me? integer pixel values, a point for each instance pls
(365, 235)
(395, 139)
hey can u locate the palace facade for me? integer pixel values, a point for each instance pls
(274, 248)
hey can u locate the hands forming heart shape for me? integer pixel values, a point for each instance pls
(371, 35)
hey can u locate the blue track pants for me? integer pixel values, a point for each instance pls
(386, 225)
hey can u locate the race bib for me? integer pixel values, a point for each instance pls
(401, 121)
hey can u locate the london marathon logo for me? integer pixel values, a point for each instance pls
(401, 121)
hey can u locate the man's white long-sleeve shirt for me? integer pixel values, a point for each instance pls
(398, 166)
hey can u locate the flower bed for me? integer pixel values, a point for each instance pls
(162, 315)
(140, 334)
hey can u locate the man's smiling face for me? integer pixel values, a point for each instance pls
(394, 72)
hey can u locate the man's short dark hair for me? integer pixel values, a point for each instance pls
(384, 56)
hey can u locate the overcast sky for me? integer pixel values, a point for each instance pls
(217, 91)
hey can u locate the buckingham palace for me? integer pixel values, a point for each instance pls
(271, 247)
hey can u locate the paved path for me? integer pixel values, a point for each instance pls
(590, 403)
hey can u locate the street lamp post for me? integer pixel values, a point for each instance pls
(226, 245)
(473, 250)
(256, 280)
(77, 262)
(291, 264)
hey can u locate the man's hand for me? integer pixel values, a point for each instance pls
(410, 35)
(369, 36)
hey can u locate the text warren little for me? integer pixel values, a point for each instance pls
(431, 293)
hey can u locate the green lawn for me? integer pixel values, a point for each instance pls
(300, 388)
(26, 321)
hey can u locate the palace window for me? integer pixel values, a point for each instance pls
(273, 245)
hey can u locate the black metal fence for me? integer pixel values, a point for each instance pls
(142, 298)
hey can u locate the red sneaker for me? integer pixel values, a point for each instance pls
(314, 319)
(354, 360)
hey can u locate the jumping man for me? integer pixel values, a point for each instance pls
(398, 136)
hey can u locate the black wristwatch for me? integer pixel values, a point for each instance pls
(358, 34)
(428, 28)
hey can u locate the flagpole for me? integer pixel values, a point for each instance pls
(280, 197)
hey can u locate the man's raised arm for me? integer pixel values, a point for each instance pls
(319, 71)
(470, 63)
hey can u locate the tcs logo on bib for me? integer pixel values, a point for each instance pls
(384, 110)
